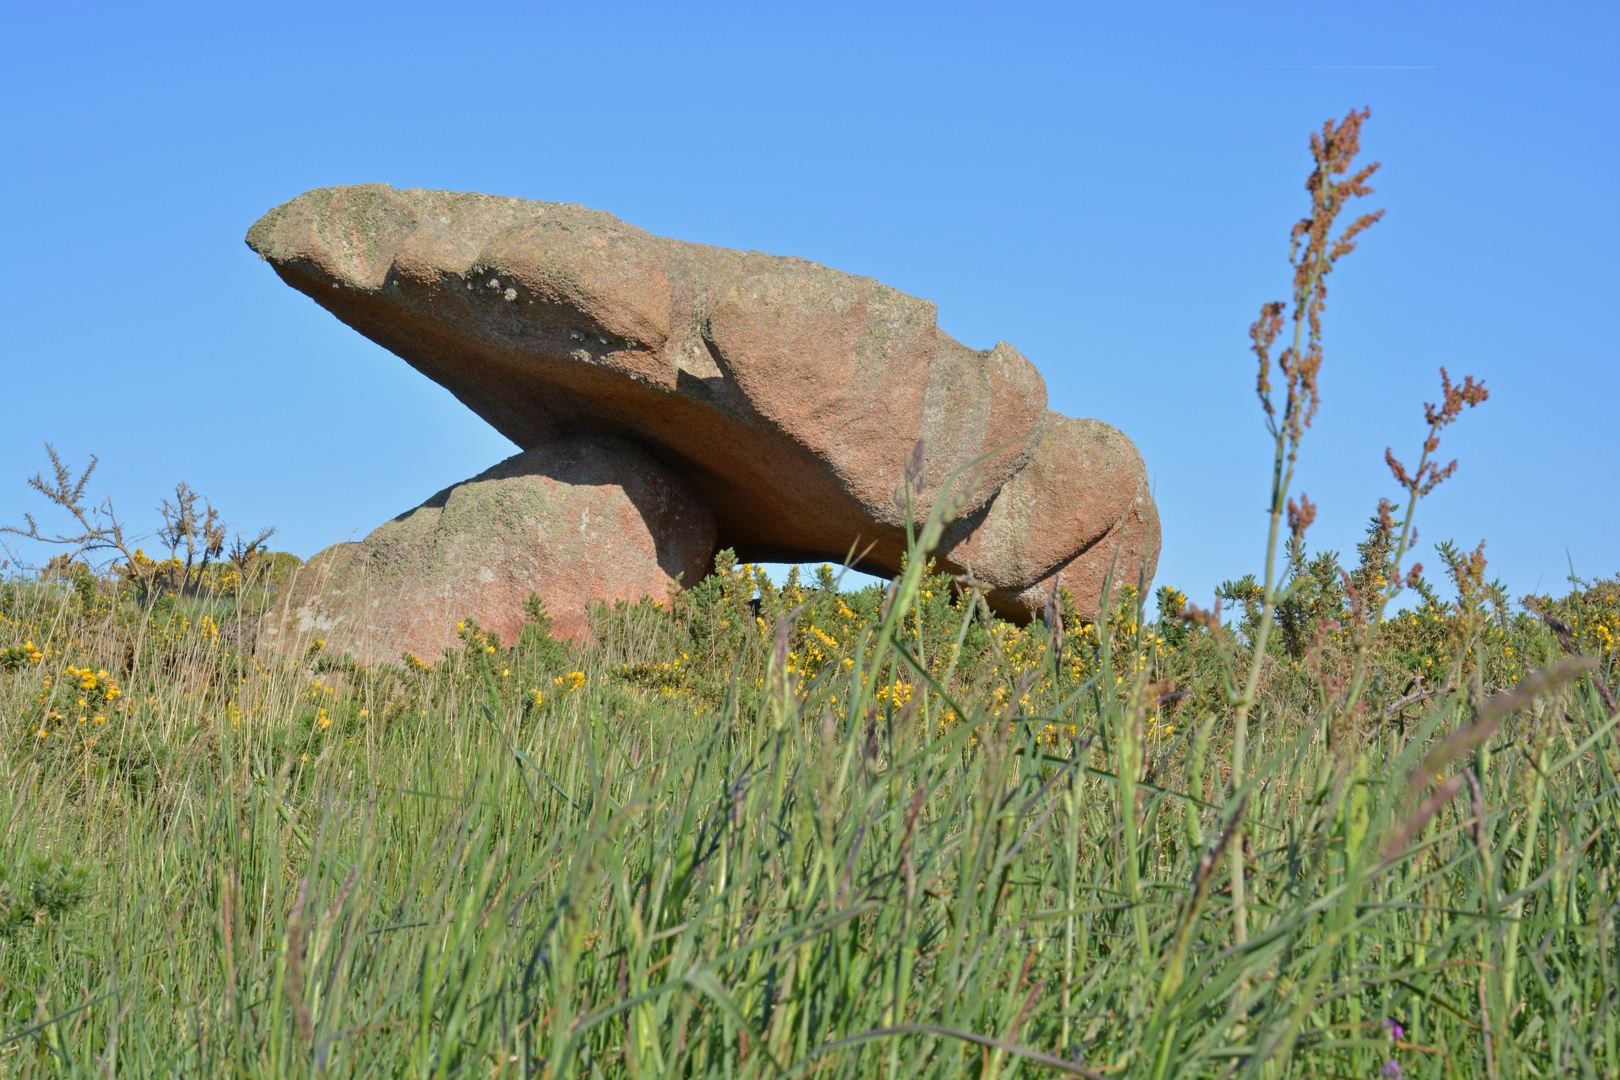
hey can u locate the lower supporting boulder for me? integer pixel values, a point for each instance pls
(580, 521)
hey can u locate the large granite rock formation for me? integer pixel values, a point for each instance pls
(788, 394)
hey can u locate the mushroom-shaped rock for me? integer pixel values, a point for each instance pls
(576, 522)
(789, 394)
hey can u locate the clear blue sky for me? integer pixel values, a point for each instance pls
(1106, 186)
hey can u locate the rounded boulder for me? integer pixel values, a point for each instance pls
(580, 521)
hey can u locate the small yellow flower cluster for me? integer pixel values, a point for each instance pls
(1053, 735)
(897, 694)
(475, 638)
(97, 684)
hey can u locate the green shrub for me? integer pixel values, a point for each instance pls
(40, 893)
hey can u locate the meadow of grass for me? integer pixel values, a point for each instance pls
(1347, 828)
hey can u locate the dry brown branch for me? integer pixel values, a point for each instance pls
(97, 527)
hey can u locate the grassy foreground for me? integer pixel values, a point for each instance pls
(832, 834)
(675, 853)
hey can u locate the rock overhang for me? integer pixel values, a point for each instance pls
(789, 393)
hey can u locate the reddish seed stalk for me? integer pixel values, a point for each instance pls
(1313, 252)
(1417, 484)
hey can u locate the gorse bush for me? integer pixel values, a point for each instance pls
(1344, 827)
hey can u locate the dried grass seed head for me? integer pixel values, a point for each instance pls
(1313, 251)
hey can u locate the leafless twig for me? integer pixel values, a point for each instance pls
(97, 527)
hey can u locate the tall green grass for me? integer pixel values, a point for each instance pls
(795, 881)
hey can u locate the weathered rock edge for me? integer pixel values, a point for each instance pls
(790, 394)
